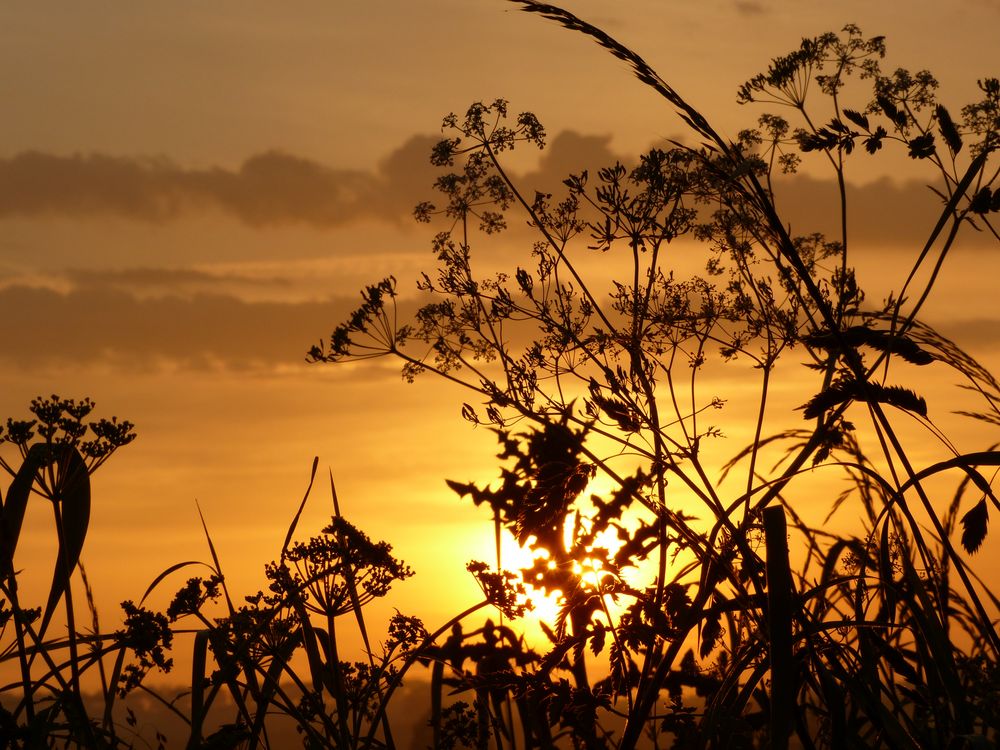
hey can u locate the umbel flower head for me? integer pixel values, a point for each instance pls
(337, 571)
(58, 427)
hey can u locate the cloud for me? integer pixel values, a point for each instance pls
(109, 318)
(569, 153)
(750, 8)
(276, 188)
(268, 188)
(272, 188)
(883, 213)
(156, 278)
(97, 324)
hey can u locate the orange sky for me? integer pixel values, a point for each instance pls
(192, 193)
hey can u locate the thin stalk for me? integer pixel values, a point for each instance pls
(758, 430)
(74, 661)
(411, 659)
(779, 616)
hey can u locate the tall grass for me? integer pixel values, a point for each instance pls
(698, 606)
(882, 637)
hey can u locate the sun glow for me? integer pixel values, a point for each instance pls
(517, 558)
(590, 573)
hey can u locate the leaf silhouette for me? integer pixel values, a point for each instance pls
(982, 201)
(617, 410)
(198, 675)
(73, 496)
(854, 390)
(711, 629)
(948, 130)
(874, 142)
(884, 341)
(826, 399)
(891, 111)
(922, 146)
(857, 118)
(640, 68)
(12, 512)
(974, 526)
(298, 513)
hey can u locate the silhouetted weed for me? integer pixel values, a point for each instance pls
(698, 606)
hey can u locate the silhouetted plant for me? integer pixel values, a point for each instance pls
(682, 620)
(58, 451)
(608, 373)
(278, 653)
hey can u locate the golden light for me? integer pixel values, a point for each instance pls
(591, 572)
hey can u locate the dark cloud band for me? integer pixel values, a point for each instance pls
(93, 325)
(276, 188)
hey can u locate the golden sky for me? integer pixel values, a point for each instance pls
(192, 193)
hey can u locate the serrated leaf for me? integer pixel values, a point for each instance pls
(835, 394)
(822, 140)
(619, 411)
(461, 488)
(874, 142)
(982, 201)
(901, 398)
(857, 118)
(922, 146)
(838, 126)
(711, 629)
(948, 130)
(597, 638)
(891, 111)
(974, 526)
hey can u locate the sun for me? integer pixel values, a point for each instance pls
(515, 557)
(589, 572)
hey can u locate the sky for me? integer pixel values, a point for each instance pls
(192, 194)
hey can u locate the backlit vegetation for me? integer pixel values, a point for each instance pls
(698, 605)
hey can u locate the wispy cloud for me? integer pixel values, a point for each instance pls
(750, 8)
(145, 278)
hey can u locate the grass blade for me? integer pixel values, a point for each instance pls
(74, 500)
(215, 560)
(298, 513)
(172, 569)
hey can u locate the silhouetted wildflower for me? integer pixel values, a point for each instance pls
(503, 589)
(338, 570)
(190, 599)
(147, 634)
(59, 425)
(405, 633)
